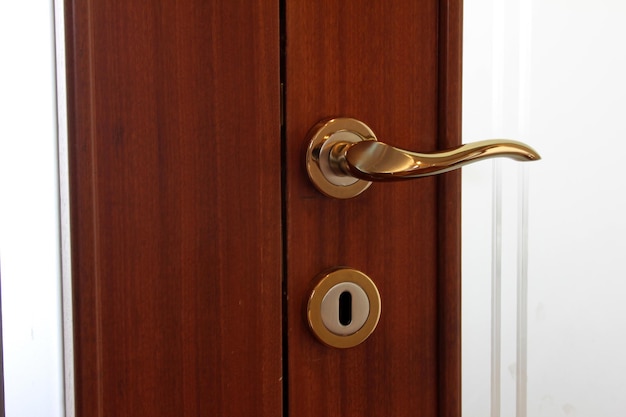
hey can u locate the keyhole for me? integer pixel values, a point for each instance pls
(345, 308)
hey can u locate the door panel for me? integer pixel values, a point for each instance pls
(176, 220)
(394, 67)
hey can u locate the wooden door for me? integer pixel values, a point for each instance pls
(396, 67)
(196, 234)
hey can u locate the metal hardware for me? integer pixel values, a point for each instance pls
(343, 308)
(344, 157)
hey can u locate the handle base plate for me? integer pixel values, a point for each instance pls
(322, 138)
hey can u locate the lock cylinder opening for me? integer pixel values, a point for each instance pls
(345, 308)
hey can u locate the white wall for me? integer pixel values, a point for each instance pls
(29, 217)
(550, 72)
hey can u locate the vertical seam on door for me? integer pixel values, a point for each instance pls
(283, 203)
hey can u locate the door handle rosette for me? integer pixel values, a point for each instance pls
(344, 158)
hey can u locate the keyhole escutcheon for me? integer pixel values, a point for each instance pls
(343, 308)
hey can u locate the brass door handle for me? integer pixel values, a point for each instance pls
(344, 157)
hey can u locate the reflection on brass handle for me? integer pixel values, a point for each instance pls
(344, 157)
(376, 161)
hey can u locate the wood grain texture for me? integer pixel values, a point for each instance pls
(176, 220)
(449, 222)
(393, 65)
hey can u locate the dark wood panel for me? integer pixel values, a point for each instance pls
(449, 208)
(396, 67)
(176, 220)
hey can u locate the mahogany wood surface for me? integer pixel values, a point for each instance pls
(449, 207)
(396, 67)
(174, 135)
(178, 218)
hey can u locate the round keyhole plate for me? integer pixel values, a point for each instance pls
(323, 308)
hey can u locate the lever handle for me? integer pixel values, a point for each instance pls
(377, 161)
(344, 157)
